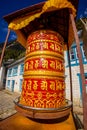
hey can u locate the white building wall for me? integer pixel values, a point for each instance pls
(85, 68)
(2, 76)
(75, 84)
(16, 79)
(77, 99)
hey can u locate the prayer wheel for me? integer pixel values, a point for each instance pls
(43, 80)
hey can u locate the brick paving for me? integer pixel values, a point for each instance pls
(6, 103)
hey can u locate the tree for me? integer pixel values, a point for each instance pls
(13, 51)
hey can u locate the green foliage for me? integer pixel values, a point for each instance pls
(12, 54)
(79, 25)
(21, 55)
(13, 51)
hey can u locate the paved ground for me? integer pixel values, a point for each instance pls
(7, 105)
(79, 112)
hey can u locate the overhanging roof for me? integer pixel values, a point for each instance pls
(57, 20)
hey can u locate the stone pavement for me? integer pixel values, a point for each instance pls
(6, 103)
(79, 111)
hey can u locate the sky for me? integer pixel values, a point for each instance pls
(9, 6)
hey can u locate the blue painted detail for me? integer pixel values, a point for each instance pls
(8, 83)
(21, 69)
(15, 71)
(12, 71)
(80, 82)
(75, 61)
(13, 83)
(9, 74)
(74, 44)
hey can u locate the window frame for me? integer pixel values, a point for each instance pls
(9, 73)
(21, 69)
(8, 83)
(74, 53)
(15, 69)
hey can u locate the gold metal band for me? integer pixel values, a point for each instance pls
(45, 40)
(42, 72)
(49, 53)
(44, 56)
(43, 77)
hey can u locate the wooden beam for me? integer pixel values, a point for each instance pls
(84, 95)
(70, 74)
(3, 50)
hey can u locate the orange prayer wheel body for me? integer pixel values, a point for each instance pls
(43, 80)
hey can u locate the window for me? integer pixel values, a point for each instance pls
(20, 85)
(9, 72)
(15, 70)
(8, 84)
(83, 53)
(76, 53)
(72, 54)
(21, 68)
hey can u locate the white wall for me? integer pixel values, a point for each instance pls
(2, 76)
(75, 82)
(17, 80)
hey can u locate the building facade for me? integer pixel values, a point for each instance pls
(75, 73)
(15, 76)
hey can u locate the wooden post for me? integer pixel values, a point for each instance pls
(70, 74)
(84, 95)
(3, 50)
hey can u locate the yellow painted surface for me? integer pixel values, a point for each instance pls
(19, 122)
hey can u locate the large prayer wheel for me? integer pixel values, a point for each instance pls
(43, 80)
(43, 88)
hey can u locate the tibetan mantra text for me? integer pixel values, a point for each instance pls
(44, 73)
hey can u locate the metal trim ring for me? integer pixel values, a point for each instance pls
(43, 113)
(68, 105)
